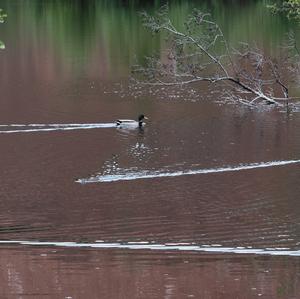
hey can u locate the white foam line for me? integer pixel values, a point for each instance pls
(151, 175)
(52, 127)
(162, 247)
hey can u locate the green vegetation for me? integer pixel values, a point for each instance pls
(75, 33)
(291, 8)
(2, 17)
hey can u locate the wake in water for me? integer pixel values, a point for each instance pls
(28, 128)
(161, 174)
(181, 247)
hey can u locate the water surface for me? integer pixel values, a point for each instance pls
(214, 212)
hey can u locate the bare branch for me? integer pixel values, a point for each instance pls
(193, 57)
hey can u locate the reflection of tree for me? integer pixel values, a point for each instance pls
(290, 7)
(2, 17)
(103, 38)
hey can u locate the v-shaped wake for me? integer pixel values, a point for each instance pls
(145, 174)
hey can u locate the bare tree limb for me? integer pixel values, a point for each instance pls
(193, 57)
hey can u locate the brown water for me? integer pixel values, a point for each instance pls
(201, 203)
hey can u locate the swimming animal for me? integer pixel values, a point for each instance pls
(130, 123)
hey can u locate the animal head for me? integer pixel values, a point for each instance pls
(141, 117)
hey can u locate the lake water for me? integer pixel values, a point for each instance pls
(201, 203)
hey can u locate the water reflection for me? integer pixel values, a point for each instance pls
(105, 38)
(140, 150)
(117, 274)
(62, 66)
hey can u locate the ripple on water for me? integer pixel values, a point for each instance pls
(127, 175)
(181, 247)
(32, 128)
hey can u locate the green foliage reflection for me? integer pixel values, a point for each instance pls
(77, 32)
(289, 7)
(2, 18)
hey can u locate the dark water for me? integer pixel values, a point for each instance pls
(201, 203)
